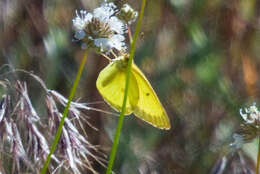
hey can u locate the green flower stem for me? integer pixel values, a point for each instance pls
(65, 113)
(258, 157)
(122, 114)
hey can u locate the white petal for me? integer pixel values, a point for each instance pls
(117, 25)
(244, 116)
(81, 20)
(253, 108)
(102, 43)
(117, 42)
(105, 11)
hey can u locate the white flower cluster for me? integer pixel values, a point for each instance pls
(251, 114)
(248, 130)
(101, 27)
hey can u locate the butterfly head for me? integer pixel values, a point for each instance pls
(121, 61)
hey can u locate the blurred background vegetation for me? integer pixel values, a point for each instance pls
(201, 57)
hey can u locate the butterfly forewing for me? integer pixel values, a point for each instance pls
(111, 85)
(149, 108)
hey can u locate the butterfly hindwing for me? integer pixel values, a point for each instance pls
(149, 108)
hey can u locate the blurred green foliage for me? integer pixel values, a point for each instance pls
(202, 58)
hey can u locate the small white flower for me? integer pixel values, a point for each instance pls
(128, 14)
(105, 44)
(105, 11)
(127, 8)
(117, 25)
(81, 20)
(117, 42)
(106, 14)
(253, 109)
(251, 114)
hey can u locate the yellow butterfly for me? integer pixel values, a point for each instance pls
(141, 99)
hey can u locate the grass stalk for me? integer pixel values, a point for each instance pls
(122, 114)
(258, 157)
(65, 113)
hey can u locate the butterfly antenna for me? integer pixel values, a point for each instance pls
(114, 54)
(108, 58)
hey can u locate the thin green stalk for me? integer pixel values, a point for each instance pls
(122, 114)
(65, 113)
(258, 157)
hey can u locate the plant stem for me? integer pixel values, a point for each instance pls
(258, 157)
(65, 113)
(122, 114)
(130, 35)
